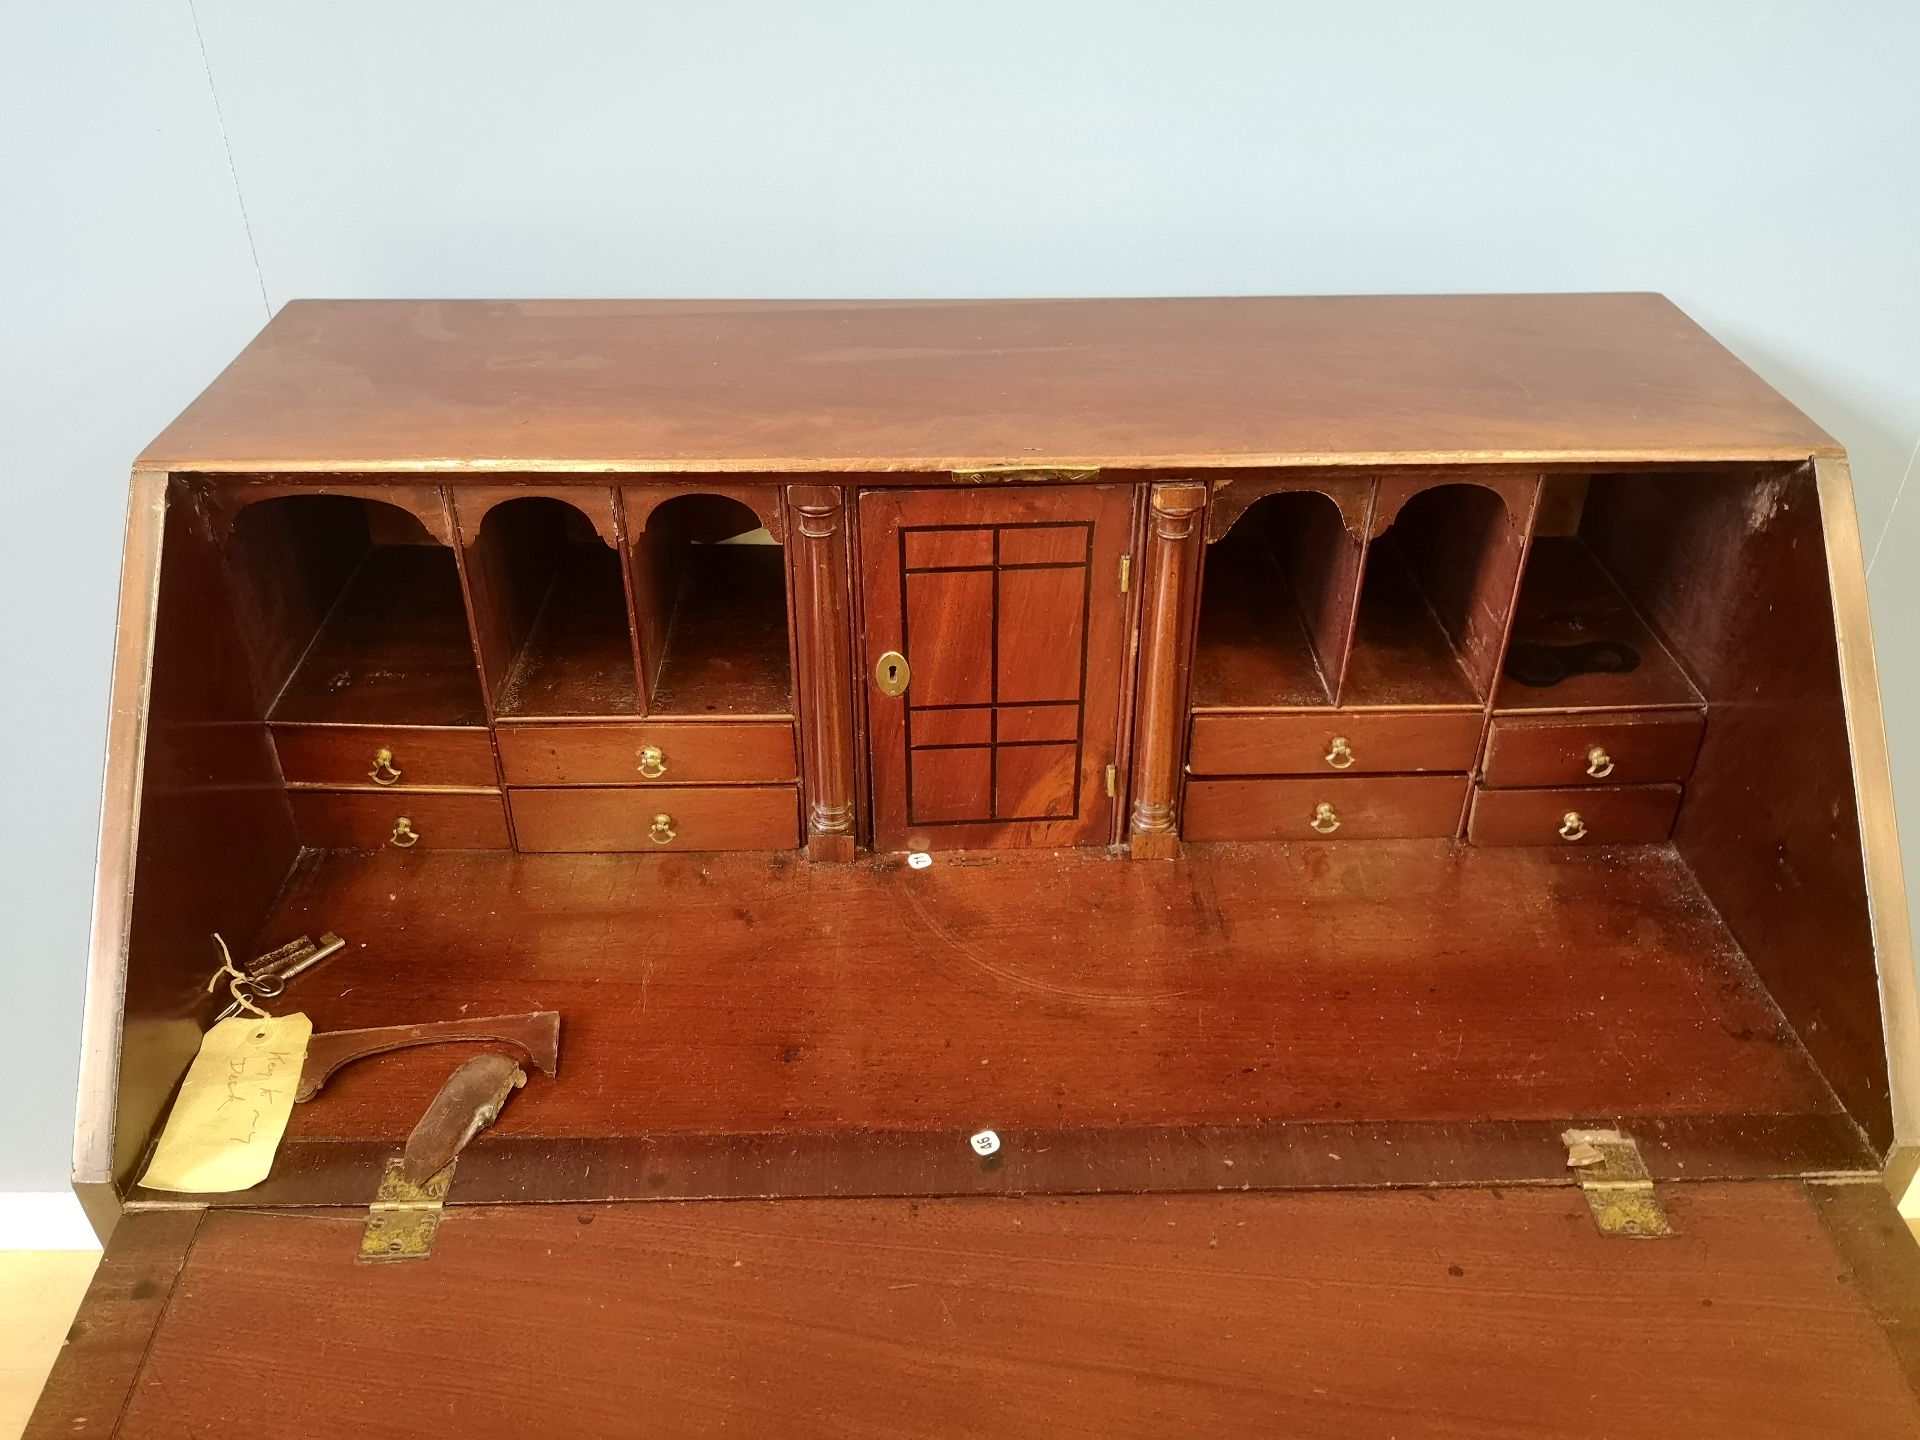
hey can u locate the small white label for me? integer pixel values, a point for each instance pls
(919, 859)
(985, 1143)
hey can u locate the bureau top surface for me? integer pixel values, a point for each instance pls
(929, 386)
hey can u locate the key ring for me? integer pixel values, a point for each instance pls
(241, 986)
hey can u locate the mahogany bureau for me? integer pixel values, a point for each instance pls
(1273, 866)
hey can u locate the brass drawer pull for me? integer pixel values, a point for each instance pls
(662, 832)
(653, 762)
(1340, 753)
(383, 771)
(1599, 763)
(1572, 827)
(1324, 819)
(404, 835)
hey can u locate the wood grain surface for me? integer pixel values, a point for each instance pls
(691, 753)
(1580, 815)
(586, 818)
(1378, 742)
(823, 386)
(1640, 747)
(744, 994)
(1008, 609)
(1363, 807)
(1465, 1313)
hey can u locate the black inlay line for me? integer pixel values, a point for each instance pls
(906, 709)
(995, 704)
(1080, 713)
(993, 716)
(995, 745)
(982, 569)
(1004, 705)
(1008, 525)
(998, 820)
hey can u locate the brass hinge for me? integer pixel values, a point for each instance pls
(1612, 1176)
(1126, 572)
(992, 474)
(1113, 779)
(404, 1217)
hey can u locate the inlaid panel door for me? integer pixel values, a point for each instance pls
(995, 630)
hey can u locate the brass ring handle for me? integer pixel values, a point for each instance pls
(653, 762)
(1572, 827)
(404, 835)
(383, 771)
(661, 831)
(1599, 763)
(1339, 753)
(1325, 821)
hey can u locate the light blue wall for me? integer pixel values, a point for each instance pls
(165, 177)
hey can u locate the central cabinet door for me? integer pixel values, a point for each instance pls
(995, 626)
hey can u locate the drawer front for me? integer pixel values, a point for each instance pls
(1608, 749)
(1598, 815)
(657, 817)
(414, 756)
(1393, 807)
(360, 820)
(1384, 742)
(663, 754)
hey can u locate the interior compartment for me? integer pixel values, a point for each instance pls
(1578, 642)
(727, 1013)
(1276, 606)
(710, 586)
(1434, 599)
(551, 604)
(352, 614)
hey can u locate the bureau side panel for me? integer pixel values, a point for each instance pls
(195, 832)
(1732, 569)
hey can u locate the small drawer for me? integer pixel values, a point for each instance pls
(1597, 815)
(1611, 748)
(396, 757)
(657, 817)
(1333, 741)
(360, 820)
(649, 754)
(1391, 807)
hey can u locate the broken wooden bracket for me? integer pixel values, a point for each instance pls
(468, 1103)
(535, 1035)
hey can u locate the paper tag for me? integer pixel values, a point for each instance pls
(233, 1106)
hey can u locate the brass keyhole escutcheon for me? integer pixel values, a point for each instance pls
(1325, 820)
(404, 835)
(892, 673)
(1599, 763)
(1340, 753)
(661, 832)
(383, 772)
(653, 762)
(1572, 827)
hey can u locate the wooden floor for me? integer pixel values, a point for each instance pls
(39, 1292)
(1316, 983)
(1434, 1314)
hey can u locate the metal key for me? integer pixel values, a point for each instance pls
(268, 975)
